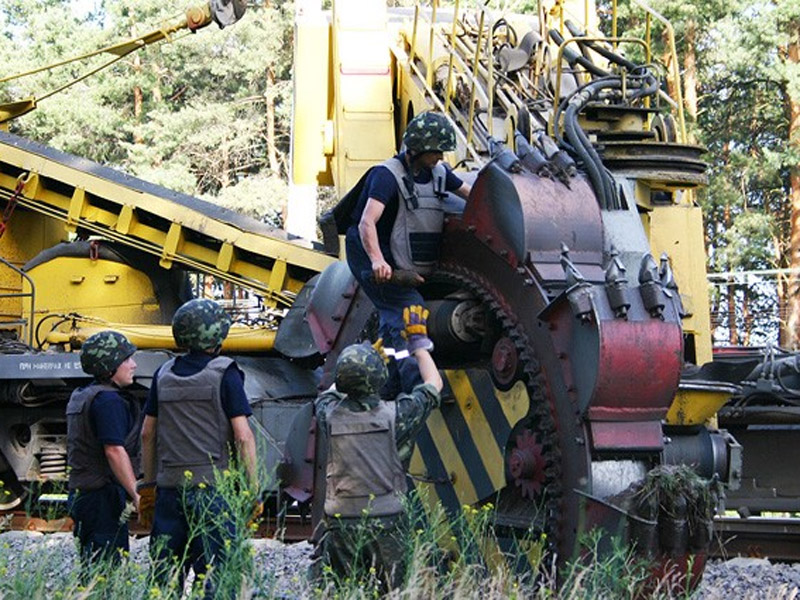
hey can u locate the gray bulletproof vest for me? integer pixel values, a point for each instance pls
(364, 470)
(89, 468)
(193, 433)
(417, 230)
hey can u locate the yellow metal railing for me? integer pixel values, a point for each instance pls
(560, 55)
(470, 59)
(454, 62)
(674, 70)
(24, 324)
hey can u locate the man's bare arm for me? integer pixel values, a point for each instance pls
(427, 369)
(368, 231)
(245, 447)
(121, 467)
(464, 190)
(149, 449)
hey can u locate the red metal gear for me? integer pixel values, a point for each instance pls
(505, 361)
(526, 463)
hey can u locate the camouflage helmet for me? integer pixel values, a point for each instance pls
(200, 324)
(103, 352)
(429, 132)
(360, 370)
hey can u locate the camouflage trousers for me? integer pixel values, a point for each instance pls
(361, 546)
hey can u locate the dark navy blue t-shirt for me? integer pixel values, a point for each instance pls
(232, 395)
(381, 185)
(110, 418)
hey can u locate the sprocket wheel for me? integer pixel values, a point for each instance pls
(539, 493)
(527, 464)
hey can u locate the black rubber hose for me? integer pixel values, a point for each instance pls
(575, 58)
(602, 181)
(648, 88)
(564, 103)
(595, 175)
(604, 52)
(610, 78)
(578, 138)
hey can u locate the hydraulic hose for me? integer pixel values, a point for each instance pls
(574, 58)
(604, 52)
(601, 182)
(590, 159)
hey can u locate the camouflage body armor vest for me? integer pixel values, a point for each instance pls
(193, 433)
(89, 468)
(417, 230)
(364, 470)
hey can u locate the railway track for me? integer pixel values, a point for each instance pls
(758, 537)
(289, 528)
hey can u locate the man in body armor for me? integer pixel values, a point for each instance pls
(397, 224)
(195, 421)
(103, 447)
(369, 441)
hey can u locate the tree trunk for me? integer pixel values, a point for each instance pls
(793, 293)
(225, 175)
(666, 58)
(138, 102)
(733, 332)
(747, 320)
(690, 73)
(272, 151)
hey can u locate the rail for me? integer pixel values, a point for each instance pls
(760, 537)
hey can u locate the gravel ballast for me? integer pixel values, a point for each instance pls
(282, 568)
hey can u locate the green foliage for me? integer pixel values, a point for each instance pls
(448, 555)
(189, 115)
(747, 85)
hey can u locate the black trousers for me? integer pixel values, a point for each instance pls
(97, 515)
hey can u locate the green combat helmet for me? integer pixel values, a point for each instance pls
(360, 371)
(200, 325)
(103, 352)
(429, 132)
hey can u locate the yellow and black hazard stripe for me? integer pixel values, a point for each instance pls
(460, 451)
(459, 458)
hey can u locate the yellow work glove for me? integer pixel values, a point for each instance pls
(379, 348)
(415, 319)
(147, 504)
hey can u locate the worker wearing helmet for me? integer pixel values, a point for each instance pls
(103, 446)
(195, 422)
(397, 223)
(368, 441)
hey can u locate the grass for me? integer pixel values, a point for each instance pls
(448, 556)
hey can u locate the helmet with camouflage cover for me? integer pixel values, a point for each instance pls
(360, 371)
(200, 324)
(103, 352)
(429, 132)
